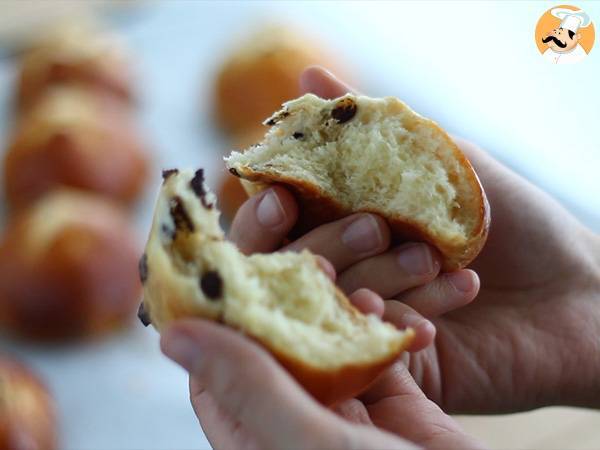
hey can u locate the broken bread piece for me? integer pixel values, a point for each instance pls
(281, 300)
(360, 154)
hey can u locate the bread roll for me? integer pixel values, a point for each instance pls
(75, 53)
(27, 414)
(282, 300)
(261, 73)
(68, 268)
(77, 139)
(363, 154)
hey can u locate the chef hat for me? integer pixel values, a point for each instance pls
(571, 20)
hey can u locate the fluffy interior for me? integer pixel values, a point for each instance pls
(283, 299)
(385, 156)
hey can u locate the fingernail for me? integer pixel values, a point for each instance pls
(416, 259)
(269, 211)
(362, 235)
(183, 350)
(462, 281)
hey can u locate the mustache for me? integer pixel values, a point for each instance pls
(556, 41)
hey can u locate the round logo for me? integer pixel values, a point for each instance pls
(564, 34)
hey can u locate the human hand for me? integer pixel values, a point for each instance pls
(530, 338)
(245, 400)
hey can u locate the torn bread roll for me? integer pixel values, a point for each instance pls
(281, 300)
(360, 154)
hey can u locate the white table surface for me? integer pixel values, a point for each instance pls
(471, 66)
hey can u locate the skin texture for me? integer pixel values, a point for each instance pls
(539, 272)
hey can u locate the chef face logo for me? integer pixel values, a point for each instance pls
(564, 34)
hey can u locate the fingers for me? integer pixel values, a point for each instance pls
(326, 267)
(264, 220)
(319, 81)
(390, 273)
(403, 316)
(354, 411)
(412, 415)
(446, 293)
(248, 385)
(346, 241)
(367, 302)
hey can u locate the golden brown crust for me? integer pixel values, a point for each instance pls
(106, 157)
(27, 414)
(317, 208)
(83, 283)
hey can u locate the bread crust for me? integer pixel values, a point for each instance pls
(27, 412)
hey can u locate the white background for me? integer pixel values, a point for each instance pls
(473, 67)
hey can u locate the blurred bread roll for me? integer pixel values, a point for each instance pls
(74, 53)
(74, 138)
(68, 268)
(27, 414)
(261, 73)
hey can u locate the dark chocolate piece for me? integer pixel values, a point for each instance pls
(168, 172)
(143, 315)
(278, 118)
(197, 185)
(298, 135)
(180, 216)
(344, 110)
(143, 268)
(212, 285)
(234, 172)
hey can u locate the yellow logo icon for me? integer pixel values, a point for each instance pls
(564, 34)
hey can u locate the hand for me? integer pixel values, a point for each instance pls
(531, 338)
(244, 399)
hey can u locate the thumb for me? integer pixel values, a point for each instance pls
(250, 387)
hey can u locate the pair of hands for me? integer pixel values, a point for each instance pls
(528, 340)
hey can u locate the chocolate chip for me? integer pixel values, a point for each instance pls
(298, 135)
(234, 172)
(278, 118)
(168, 172)
(344, 110)
(143, 315)
(197, 185)
(143, 268)
(180, 216)
(212, 285)
(167, 231)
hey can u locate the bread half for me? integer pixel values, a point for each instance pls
(364, 154)
(281, 300)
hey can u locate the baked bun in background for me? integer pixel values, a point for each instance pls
(263, 72)
(75, 138)
(68, 268)
(79, 53)
(27, 414)
(282, 300)
(358, 153)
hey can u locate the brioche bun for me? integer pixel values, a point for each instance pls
(282, 300)
(359, 154)
(261, 73)
(68, 268)
(77, 139)
(76, 54)
(27, 414)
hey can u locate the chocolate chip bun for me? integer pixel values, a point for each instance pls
(75, 53)
(68, 268)
(27, 414)
(282, 300)
(261, 73)
(74, 138)
(363, 154)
